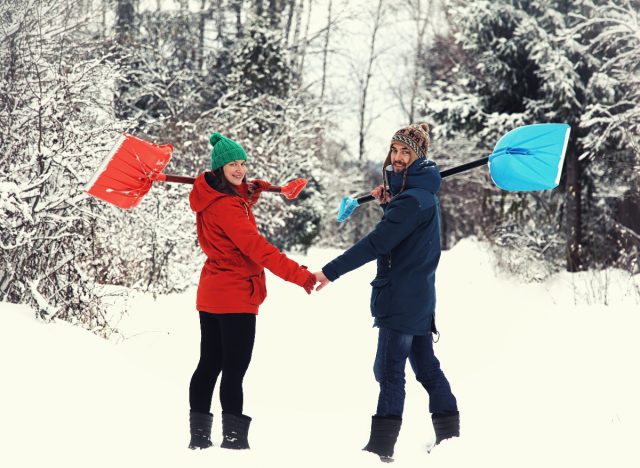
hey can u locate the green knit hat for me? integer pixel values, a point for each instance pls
(224, 151)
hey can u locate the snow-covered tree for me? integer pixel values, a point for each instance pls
(157, 87)
(611, 125)
(260, 104)
(55, 123)
(520, 63)
(248, 91)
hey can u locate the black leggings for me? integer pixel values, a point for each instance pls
(226, 345)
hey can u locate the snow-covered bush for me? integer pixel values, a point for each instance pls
(55, 125)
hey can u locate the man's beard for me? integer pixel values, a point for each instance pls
(399, 167)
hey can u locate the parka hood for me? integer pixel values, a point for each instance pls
(202, 195)
(423, 174)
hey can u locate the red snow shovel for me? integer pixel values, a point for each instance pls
(128, 172)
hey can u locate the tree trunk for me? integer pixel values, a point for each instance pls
(444, 229)
(237, 6)
(325, 52)
(104, 9)
(125, 20)
(362, 115)
(422, 21)
(420, 13)
(303, 50)
(294, 44)
(124, 36)
(287, 30)
(274, 15)
(204, 15)
(220, 21)
(574, 212)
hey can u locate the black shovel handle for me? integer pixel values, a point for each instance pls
(190, 180)
(464, 167)
(179, 179)
(443, 174)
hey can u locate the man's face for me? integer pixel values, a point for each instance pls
(401, 156)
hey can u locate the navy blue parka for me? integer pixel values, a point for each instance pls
(406, 244)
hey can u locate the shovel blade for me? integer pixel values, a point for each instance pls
(128, 171)
(293, 188)
(530, 158)
(347, 206)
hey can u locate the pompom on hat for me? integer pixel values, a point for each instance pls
(224, 151)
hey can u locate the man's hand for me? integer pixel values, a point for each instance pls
(377, 194)
(320, 278)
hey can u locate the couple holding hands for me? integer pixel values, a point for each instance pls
(406, 245)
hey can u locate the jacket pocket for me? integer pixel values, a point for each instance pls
(258, 289)
(381, 297)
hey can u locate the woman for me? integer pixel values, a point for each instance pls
(232, 287)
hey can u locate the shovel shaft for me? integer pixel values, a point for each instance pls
(178, 179)
(449, 172)
(191, 180)
(365, 199)
(132, 166)
(464, 167)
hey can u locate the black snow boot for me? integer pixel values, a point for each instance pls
(235, 431)
(384, 434)
(200, 425)
(446, 425)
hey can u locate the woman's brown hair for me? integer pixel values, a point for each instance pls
(219, 182)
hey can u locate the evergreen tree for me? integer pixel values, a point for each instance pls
(521, 64)
(260, 105)
(247, 90)
(611, 35)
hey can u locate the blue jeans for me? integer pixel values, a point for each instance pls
(393, 350)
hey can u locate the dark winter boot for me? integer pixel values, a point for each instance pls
(446, 425)
(200, 425)
(384, 434)
(235, 431)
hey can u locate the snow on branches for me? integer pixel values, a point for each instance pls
(520, 63)
(55, 107)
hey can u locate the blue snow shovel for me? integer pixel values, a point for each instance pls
(525, 159)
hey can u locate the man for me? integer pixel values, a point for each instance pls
(406, 244)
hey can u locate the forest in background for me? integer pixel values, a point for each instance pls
(306, 86)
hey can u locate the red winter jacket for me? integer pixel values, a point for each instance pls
(232, 278)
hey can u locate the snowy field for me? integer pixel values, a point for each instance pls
(545, 375)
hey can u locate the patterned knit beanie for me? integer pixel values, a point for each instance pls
(224, 151)
(416, 137)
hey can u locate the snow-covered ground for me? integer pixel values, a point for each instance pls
(545, 375)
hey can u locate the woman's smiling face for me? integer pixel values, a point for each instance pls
(235, 171)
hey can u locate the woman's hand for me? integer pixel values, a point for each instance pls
(309, 283)
(256, 187)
